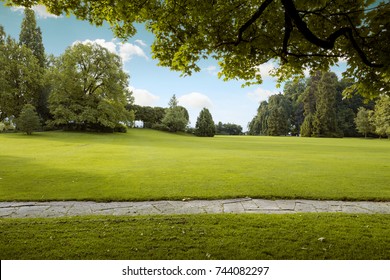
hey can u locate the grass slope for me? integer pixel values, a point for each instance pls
(146, 164)
(306, 236)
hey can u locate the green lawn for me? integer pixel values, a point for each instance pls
(305, 236)
(147, 164)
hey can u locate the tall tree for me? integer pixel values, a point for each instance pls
(204, 124)
(279, 107)
(90, 89)
(245, 34)
(325, 117)
(176, 119)
(293, 90)
(259, 124)
(20, 78)
(31, 36)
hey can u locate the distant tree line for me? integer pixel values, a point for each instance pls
(228, 129)
(315, 107)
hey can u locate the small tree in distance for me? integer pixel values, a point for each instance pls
(363, 121)
(205, 125)
(28, 120)
(175, 118)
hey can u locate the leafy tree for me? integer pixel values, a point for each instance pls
(31, 37)
(20, 78)
(176, 119)
(363, 121)
(185, 113)
(307, 126)
(259, 124)
(242, 35)
(28, 121)
(273, 117)
(89, 90)
(279, 108)
(205, 125)
(381, 116)
(325, 117)
(308, 99)
(148, 115)
(293, 90)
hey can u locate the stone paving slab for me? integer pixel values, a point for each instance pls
(240, 205)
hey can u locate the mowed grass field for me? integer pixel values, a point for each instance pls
(151, 165)
(223, 236)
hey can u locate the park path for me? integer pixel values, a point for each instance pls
(239, 205)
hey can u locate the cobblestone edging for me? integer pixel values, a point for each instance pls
(242, 205)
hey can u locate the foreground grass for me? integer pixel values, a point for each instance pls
(152, 165)
(198, 237)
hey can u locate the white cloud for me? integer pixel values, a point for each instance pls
(212, 70)
(265, 69)
(260, 94)
(140, 42)
(143, 97)
(195, 100)
(40, 11)
(125, 50)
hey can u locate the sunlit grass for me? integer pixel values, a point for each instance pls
(152, 165)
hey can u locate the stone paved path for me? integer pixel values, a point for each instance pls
(242, 205)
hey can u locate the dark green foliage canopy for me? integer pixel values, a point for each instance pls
(148, 115)
(244, 34)
(280, 108)
(259, 124)
(325, 119)
(90, 89)
(31, 36)
(20, 77)
(204, 124)
(228, 129)
(311, 107)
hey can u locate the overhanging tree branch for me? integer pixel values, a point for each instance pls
(288, 27)
(330, 41)
(254, 17)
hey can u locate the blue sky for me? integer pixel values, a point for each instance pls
(153, 85)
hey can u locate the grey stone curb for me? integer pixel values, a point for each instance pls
(244, 205)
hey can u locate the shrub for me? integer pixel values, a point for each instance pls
(28, 120)
(120, 128)
(160, 126)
